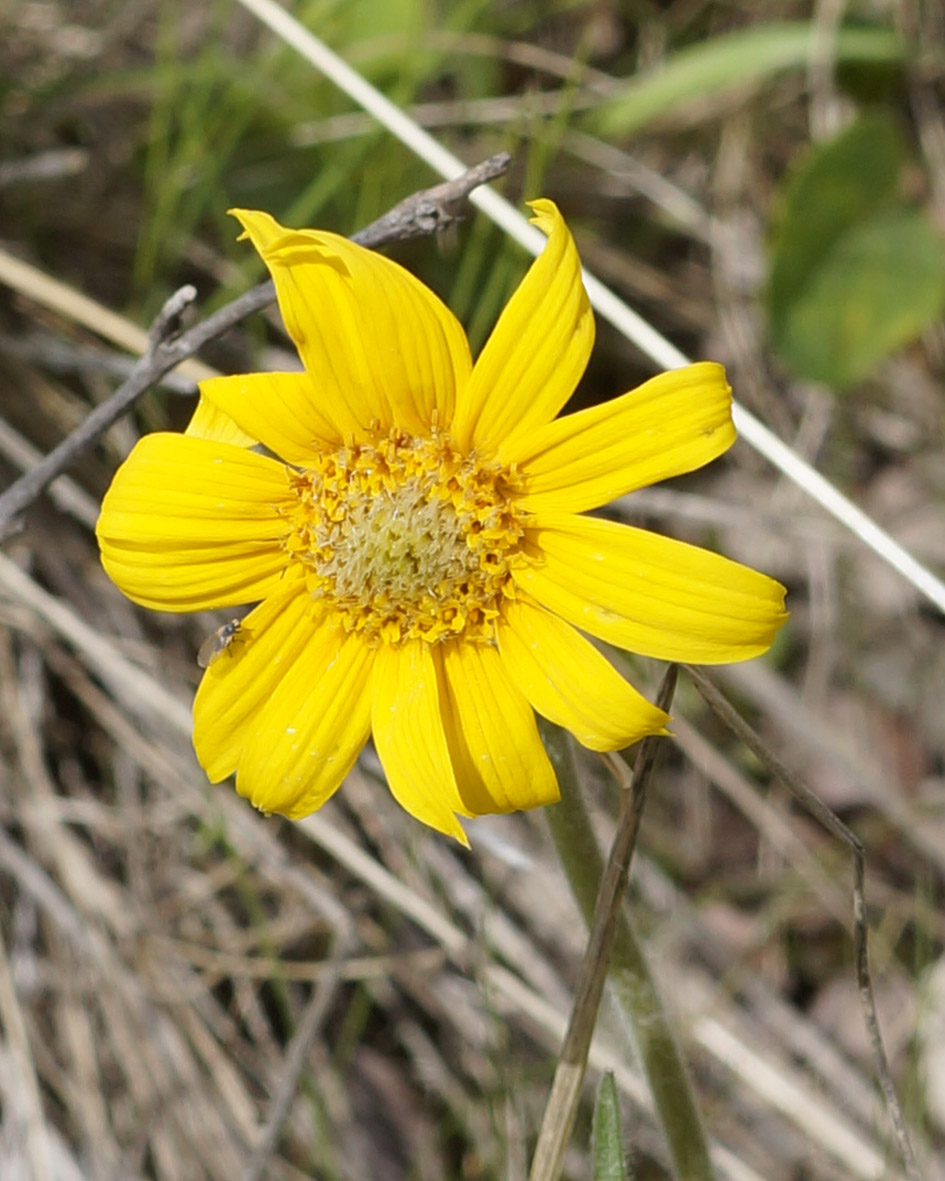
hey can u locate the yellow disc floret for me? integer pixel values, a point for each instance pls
(404, 538)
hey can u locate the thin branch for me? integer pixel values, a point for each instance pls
(819, 810)
(424, 212)
(561, 1109)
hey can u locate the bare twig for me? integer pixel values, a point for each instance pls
(819, 810)
(424, 212)
(561, 1109)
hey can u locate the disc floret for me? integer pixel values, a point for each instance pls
(403, 537)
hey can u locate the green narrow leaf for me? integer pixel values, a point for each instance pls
(748, 56)
(607, 1135)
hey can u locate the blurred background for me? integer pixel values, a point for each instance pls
(765, 184)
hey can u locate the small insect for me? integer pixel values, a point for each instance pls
(216, 644)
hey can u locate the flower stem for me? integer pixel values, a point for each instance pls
(630, 977)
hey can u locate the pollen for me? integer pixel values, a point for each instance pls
(403, 538)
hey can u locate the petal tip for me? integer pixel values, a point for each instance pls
(547, 215)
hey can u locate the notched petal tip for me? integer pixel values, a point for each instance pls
(547, 216)
(260, 228)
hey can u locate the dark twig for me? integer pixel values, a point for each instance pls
(562, 1105)
(422, 213)
(819, 810)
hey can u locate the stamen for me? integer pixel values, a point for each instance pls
(406, 538)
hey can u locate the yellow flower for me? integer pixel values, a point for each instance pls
(416, 547)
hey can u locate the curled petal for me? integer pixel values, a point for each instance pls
(378, 345)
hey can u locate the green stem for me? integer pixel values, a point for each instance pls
(629, 973)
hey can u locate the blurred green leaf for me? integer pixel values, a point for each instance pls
(854, 273)
(835, 186)
(609, 1160)
(733, 60)
(879, 287)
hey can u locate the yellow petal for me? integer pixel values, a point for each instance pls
(306, 737)
(209, 423)
(672, 424)
(189, 524)
(241, 680)
(408, 733)
(538, 350)
(377, 344)
(569, 682)
(500, 762)
(648, 593)
(280, 410)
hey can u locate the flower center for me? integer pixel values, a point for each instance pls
(406, 538)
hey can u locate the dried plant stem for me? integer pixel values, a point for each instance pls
(613, 947)
(819, 810)
(422, 213)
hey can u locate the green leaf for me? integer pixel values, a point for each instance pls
(607, 1136)
(746, 57)
(834, 187)
(877, 287)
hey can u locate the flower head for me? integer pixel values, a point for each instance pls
(414, 539)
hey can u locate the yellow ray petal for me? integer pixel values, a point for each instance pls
(377, 344)
(280, 410)
(189, 524)
(242, 679)
(569, 682)
(537, 351)
(209, 423)
(648, 593)
(306, 737)
(408, 733)
(500, 762)
(672, 424)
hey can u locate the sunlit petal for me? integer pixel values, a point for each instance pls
(243, 678)
(672, 424)
(569, 682)
(189, 524)
(410, 739)
(377, 344)
(493, 740)
(648, 593)
(283, 411)
(538, 350)
(305, 738)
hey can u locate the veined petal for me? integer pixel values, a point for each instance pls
(650, 594)
(538, 350)
(411, 743)
(245, 676)
(280, 410)
(209, 423)
(377, 344)
(306, 737)
(189, 524)
(672, 424)
(500, 762)
(569, 682)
